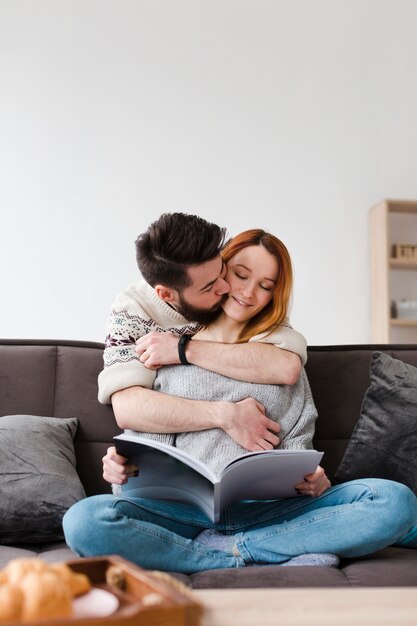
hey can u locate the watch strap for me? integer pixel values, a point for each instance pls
(182, 342)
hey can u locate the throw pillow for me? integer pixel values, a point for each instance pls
(384, 441)
(38, 478)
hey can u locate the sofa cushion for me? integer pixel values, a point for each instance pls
(390, 567)
(39, 481)
(270, 576)
(384, 440)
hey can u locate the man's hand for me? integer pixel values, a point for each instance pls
(157, 349)
(248, 425)
(314, 484)
(116, 469)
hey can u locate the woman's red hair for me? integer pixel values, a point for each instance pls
(275, 313)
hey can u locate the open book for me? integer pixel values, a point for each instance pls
(169, 473)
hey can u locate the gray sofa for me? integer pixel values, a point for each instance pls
(59, 378)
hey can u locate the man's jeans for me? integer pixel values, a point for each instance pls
(349, 520)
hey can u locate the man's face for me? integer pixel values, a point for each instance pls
(201, 301)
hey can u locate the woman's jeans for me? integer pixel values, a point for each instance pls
(350, 520)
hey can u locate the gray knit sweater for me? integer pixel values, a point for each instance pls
(291, 406)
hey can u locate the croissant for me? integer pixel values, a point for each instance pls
(45, 596)
(16, 569)
(11, 602)
(78, 583)
(31, 590)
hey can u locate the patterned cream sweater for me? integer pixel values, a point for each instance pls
(138, 311)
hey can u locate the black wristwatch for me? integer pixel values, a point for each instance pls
(183, 340)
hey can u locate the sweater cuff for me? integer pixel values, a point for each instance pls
(121, 376)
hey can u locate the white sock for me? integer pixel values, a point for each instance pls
(214, 539)
(327, 559)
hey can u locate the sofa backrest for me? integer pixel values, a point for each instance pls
(339, 378)
(59, 379)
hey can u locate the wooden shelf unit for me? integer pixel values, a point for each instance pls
(392, 222)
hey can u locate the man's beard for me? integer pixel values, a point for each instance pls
(201, 316)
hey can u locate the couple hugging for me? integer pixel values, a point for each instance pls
(201, 355)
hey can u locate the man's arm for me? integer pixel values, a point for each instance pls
(250, 362)
(146, 410)
(254, 362)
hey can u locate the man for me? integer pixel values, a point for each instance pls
(183, 289)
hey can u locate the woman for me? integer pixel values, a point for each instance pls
(172, 536)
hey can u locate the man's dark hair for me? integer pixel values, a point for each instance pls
(172, 244)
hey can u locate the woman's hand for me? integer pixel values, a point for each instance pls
(116, 469)
(315, 484)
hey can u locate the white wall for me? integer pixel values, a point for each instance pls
(294, 115)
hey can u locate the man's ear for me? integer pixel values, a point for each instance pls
(166, 293)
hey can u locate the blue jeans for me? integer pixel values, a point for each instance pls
(350, 520)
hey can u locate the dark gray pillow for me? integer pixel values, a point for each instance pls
(384, 441)
(38, 478)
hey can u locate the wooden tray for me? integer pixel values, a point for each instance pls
(145, 598)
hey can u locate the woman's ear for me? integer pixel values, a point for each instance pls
(166, 293)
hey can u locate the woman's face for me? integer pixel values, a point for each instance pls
(252, 275)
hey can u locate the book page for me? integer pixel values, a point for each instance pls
(177, 453)
(267, 475)
(248, 455)
(164, 477)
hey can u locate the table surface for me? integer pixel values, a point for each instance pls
(379, 606)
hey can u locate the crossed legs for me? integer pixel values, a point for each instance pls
(350, 520)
